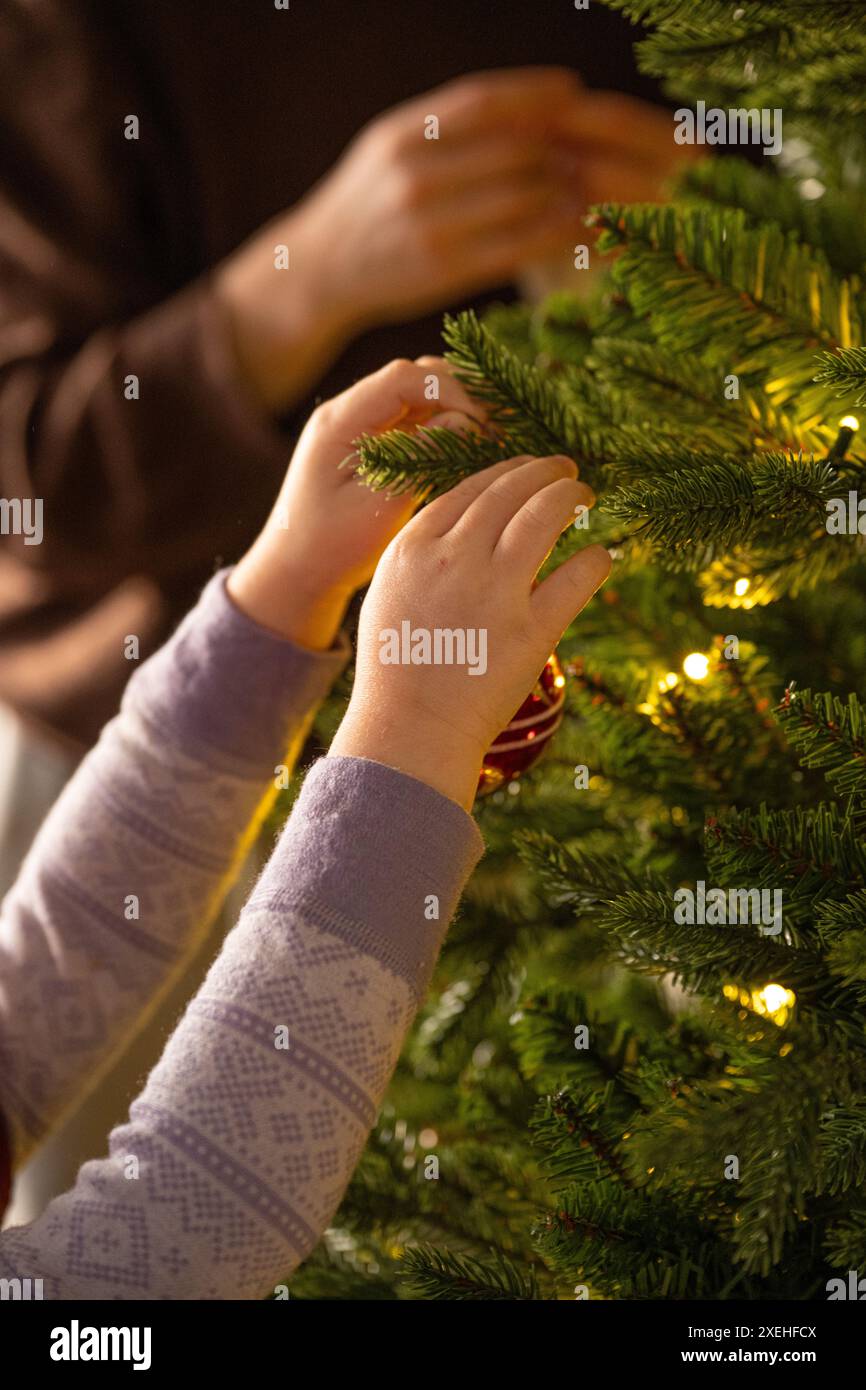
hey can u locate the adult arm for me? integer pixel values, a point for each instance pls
(121, 406)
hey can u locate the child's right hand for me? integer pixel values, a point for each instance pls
(468, 561)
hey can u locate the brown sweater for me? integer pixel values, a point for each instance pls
(105, 248)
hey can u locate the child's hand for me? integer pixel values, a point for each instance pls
(467, 563)
(327, 530)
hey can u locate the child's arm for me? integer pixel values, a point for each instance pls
(136, 856)
(133, 861)
(238, 1151)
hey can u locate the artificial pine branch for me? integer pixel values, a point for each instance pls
(527, 414)
(438, 1274)
(682, 395)
(810, 854)
(835, 221)
(846, 371)
(632, 1245)
(581, 1134)
(845, 1243)
(759, 285)
(776, 573)
(645, 937)
(842, 1140)
(429, 461)
(573, 876)
(787, 51)
(696, 515)
(750, 277)
(520, 399)
(828, 733)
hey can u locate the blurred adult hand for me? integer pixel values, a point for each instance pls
(411, 222)
(617, 149)
(440, 198)
(404, 223)
(621, 149)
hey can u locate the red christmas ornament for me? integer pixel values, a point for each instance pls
(522, 743)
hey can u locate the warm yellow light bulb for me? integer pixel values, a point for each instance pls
(668, 681)
(850, 422)
(742, 587)
(773, 997)
(696, 666)
(774, 1002)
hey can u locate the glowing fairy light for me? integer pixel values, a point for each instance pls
(668, 681)
(742, 587)
(773, 1001)
(848, 427)
(696, 666)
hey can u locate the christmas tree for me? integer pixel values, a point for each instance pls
(618, 1087)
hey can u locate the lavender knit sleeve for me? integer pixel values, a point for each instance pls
(135, 857)
(238, 1150)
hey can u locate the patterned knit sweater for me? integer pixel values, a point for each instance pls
(238, 1149)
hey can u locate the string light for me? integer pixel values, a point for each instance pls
(742, 587)
(696, 666)
(848, 427)
(668, 681)
(773, 1001)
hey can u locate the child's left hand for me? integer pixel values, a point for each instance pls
(326, 532)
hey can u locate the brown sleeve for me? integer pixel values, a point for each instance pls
(101, 280)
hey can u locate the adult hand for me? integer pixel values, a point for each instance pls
(404, 224)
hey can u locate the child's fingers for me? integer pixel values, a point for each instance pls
(531, 534)
(564, 593)
(456, 420)
(489, 513)
(446, 510)
(452, 393)
(395, 396)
